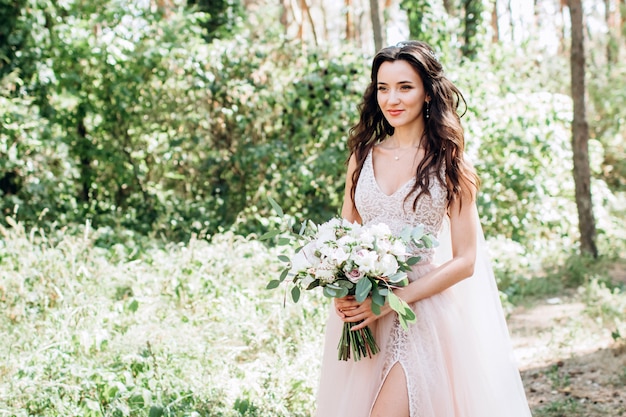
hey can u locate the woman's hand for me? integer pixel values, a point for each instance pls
(350, 311)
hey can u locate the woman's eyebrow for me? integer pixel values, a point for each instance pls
(399, 82)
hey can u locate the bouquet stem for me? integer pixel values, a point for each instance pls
(358, 343)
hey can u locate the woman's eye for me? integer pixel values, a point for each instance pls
(382, 88)
(406, 87)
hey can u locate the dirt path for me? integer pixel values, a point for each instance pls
(571, 366)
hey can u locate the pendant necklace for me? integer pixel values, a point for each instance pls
(397, 157)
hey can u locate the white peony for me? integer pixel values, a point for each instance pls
(380, 230)
(388, 265)
(366, 260)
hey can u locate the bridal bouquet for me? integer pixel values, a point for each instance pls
(346, 258)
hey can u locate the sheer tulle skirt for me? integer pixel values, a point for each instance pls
(457, 357)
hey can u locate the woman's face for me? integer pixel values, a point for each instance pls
(400, 94)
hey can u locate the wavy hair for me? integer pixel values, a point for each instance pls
(444, 139)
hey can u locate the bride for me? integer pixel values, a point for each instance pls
(406, 167)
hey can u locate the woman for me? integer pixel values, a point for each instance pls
(407, 167)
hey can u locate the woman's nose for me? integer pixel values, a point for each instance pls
(394, 97)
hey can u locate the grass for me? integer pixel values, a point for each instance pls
(96, 323)
(167, 330)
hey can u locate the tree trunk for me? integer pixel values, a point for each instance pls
(472, 14)
(376, 25)
(284, 14)
(495, 29)
(349, 23)
(580, 134)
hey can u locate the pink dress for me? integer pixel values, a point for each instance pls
(457, 357)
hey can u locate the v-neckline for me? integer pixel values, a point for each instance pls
(371, 158)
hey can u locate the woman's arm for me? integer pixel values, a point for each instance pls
(463, 229)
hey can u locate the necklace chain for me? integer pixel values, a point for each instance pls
(397, 157)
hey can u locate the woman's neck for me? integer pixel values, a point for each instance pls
(407, 137)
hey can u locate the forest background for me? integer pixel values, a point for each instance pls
(139, 141)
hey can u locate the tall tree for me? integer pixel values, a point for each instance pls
(471, 26)
(580, 133)
(376, 25)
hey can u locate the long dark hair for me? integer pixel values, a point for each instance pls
(444, 139)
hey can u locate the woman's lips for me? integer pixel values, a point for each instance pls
(394, 112)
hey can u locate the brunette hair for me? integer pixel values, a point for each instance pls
(444, 140)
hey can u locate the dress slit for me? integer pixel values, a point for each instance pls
(384, 380)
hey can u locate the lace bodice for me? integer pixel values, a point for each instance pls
(375, 206)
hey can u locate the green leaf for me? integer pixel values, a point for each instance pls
(330, 292)
(276, 207)
(272, 284)
(378, 299)
(417, 233)
(397, 277)
(363, 288)
(413, 260)
(283, 275)
(375, 309)
(155, 411)
(284, 258)
(133, 306)
(409, 314)
(283, 241)
(314, 284)
(295, 294)
(269, 234)
(394, 302)
(405, 234)
(344, 283)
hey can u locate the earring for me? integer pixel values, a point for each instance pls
(428, 109)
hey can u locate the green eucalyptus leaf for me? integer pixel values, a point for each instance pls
(363, 288)
(417, 233)
(342, 293)
(376, 309)
(405, 234)
(344, 283)
(397, 277)
(283, 275)
(269, 234)
(330, 292)
(295, 294)
(413, 260)
(276, 207)
(377, 298)
(272, 284)
(283, 241)
(314, 284)
(284, 258)
(394, 302)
